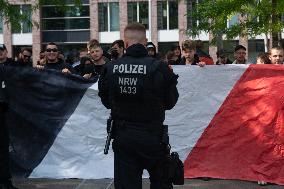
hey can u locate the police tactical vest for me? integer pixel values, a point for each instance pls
(133, 96)
(132, 81)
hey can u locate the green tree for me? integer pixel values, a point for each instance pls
(259, 17)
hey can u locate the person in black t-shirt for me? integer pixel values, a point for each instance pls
(53, 62)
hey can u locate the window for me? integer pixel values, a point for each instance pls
(66, 36)
(191, 7)
(65, 2)
(191, 22)
(25, 26)
(167, 13)
(173, 14)
(72, 18)
(162, 15)
(108, 16)
(138, 12)
(53, 11)
(68, 24)
(254, 47)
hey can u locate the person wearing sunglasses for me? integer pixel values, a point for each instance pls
(25, 58)
(53, 62)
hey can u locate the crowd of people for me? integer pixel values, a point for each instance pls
(88, 61)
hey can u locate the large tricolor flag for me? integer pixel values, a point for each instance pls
(228, 123)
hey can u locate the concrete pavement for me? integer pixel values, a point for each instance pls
(108, 184)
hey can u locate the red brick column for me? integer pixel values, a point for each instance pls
(182, 20)
(123, 19)
(212, 48)
(154, 23)
(94, 19)
(7, 36)
(36, 32)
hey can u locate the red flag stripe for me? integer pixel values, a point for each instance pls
(245, 139)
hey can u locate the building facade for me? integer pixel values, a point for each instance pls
(166, 22)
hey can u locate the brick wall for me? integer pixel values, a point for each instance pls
(36, 30)
(182, 21)
(123, 20)
(7, 35)
(94, 24)
(94, 21)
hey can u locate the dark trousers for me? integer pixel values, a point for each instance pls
(4, 146)
(134, 151)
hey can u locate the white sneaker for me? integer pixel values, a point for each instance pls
(261, 183)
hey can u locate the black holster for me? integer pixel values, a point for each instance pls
(172, 166)
(110, 134)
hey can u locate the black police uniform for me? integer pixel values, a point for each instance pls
(4, 132)
(138, 89)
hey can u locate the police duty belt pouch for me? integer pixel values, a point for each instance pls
(173, 169)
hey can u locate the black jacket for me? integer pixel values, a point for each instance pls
(59, 65)
(138, 88)
(8, 62)
(23, 64)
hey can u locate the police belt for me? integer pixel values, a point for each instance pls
(155, 128)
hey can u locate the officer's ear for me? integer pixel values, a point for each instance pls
(145, 41)
(126, 44)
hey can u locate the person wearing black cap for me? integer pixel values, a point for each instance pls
(240, 55)
(151, 48)
(5, 176)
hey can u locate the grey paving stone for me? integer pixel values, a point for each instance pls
(108, 184)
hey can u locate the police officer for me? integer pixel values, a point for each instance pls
(5, 177)
(138, 89)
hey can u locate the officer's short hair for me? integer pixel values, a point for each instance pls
(135, 32)
(135, 27)
(188, 45)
